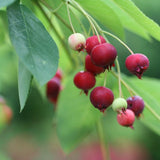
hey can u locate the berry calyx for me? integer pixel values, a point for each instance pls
(104, 55)
(90, 67)
(136, 104)
(92, 41)
(119, 104)
(77, 41)
(137, 64)
(101, 98)
(53, 89)
(126, 118)
(84, 80)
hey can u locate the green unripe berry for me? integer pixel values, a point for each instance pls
(119, 104)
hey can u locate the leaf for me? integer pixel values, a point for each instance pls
(104, 14)
(148, 24)
(148, 89)
(34, 46)
(4, 3)
(24, 82)
(76, 116)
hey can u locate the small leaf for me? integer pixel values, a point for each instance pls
(34, 46)
(148, 24)
(76, 116)
(104, 14)
(4, 3)
(24, 82)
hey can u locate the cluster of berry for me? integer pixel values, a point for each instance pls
(101, 56)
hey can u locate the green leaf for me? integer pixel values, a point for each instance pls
(4, 3)
(76, 116)
(148, 24)
(104, 14)
(24, 82)
(148, 89)
(34, 46)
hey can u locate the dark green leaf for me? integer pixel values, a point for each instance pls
(76, 116)
(34, 46)
(4, 3)
(24, 82)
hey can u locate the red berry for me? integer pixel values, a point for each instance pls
(126, 118)
(103, 55)
(137, 63)
(101, 98)
(92, 42)
(136, 104)
(90, 67)
(53, 89)
(84, 80)
(58, 74)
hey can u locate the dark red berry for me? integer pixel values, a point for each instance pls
(53, 89)
(84, 80)
(137, 64)
(103, 55)
(101, 98)
(92, 42)
(59, 74)
(136, 104)
(126, 118)
(90, 67)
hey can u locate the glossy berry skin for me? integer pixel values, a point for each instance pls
(92, 41)
(77, 41)
(126, 118)
(103, 55)
(84, 80)
(53, 89)
(136, 104)
(101, 98)
(137, 64)
(90, 67)
(59, 74)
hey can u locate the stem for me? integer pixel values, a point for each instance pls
(57, 34)
(119, 78)
(135, 93)
(105, 78)
(69, 16)
(102, 139)
(110, 34)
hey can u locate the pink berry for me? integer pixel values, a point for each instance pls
(90, 67)
(137, 64)
(84, 80)
(103, 55)
(59, 74)
(136, 104)
(77, 41)
(101, 98)
(92, 42)
(126, 118)
(53, 89)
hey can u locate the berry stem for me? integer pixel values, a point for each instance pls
(110, 34)
(102, 139)
(105, 78)
(119, 78)
(69, 16)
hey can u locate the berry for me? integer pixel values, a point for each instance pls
(90, 67)
(103, 55)
(8, 113)
(84, 80)
(92, 42)
(101, 98)
(77, 41)
(137, 64)
(126, 118)
(58, 74)
(2, 100)
(53, 89)
(136, 104)
(119, 104)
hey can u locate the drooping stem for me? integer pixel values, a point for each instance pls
(119, 78)
(105, 78)
(102, 140)
(110, 34)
